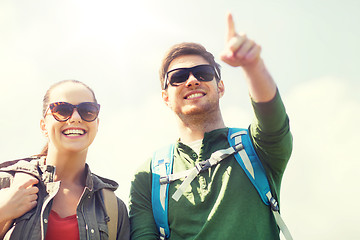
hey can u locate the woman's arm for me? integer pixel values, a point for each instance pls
(17, 199)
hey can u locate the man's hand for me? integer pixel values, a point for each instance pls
(239, 50)
(244, 52)
(19, 198)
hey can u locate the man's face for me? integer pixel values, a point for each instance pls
(192, 96)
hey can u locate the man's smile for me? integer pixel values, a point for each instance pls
(194, 95)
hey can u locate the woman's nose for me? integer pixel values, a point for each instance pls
(75, 116)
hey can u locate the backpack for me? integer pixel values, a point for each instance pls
(111, 207)
(240, 146)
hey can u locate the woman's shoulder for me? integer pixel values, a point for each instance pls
(24, 165)
(17, 162)
(97, 182)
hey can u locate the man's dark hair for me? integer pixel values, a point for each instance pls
(186, 48)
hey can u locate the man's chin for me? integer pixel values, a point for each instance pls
(195, 111)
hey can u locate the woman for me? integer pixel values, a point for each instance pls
(37, 202)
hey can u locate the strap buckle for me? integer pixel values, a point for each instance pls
(238, 147)
(202, 166)
(274, 204)
(164, 180)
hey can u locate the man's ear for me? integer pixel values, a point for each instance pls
(97, 127)
(221, 88)
(43, 127)
(165, 97)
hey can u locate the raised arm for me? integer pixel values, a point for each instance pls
(240, 51)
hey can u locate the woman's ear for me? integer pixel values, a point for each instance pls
(43, 127)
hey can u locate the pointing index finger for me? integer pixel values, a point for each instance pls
(231, 26)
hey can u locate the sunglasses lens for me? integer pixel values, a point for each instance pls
(88, 111)
(178, 76)
(61, 111)
(204, 73)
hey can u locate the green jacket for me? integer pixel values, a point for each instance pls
(91, 212)
(222, 203)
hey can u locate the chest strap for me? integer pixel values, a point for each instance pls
(191, 174)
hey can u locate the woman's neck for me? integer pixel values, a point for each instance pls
(70, 167)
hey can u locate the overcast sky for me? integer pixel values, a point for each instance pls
(311, 47)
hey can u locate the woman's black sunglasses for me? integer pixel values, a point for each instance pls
(62, 111)
(178, 76)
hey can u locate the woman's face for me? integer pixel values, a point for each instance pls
(74, 135)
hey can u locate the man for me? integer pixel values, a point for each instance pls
(221, 202)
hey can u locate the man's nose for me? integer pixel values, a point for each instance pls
(192, 80)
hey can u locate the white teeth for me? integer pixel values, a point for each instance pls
(195, 95)
(74, 132)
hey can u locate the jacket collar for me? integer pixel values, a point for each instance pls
(37, 167)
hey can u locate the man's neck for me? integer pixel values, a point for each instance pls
(193, 128)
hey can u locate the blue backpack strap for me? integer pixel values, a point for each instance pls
(250, 162)
(161, 165)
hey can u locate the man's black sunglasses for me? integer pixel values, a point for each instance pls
(178, 76)
(62, 111)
